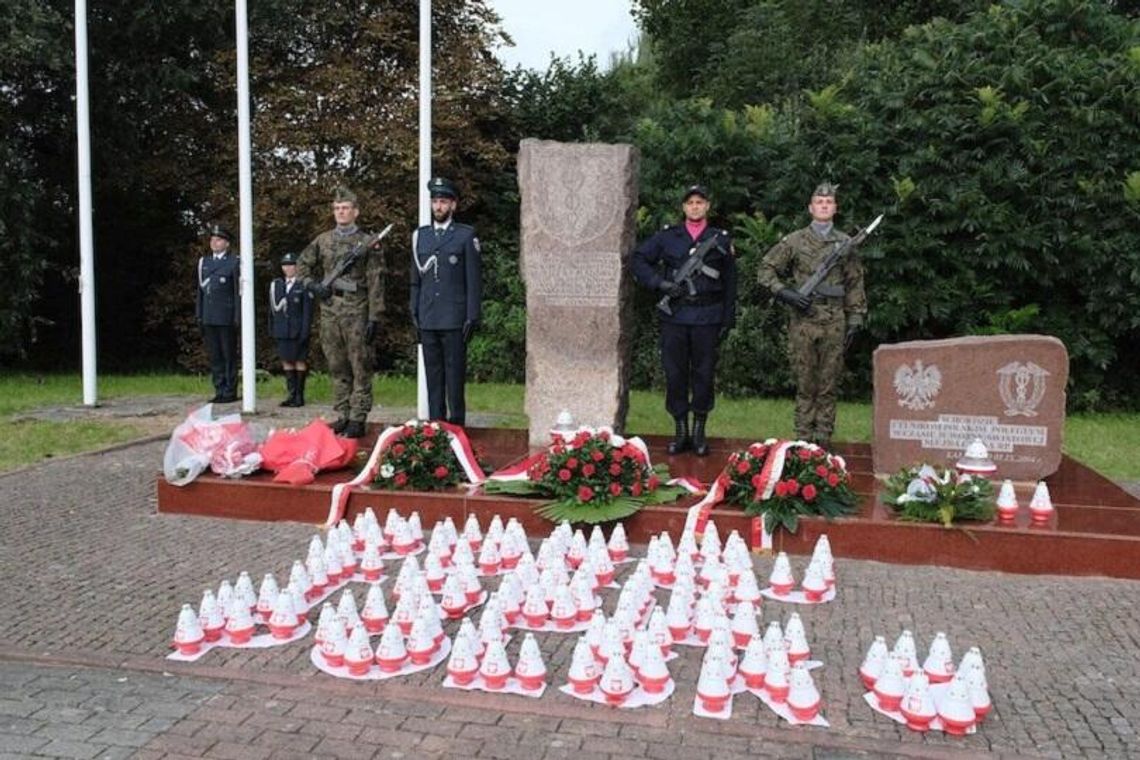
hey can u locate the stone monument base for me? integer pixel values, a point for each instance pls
(1095, 531)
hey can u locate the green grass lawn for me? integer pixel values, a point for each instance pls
(1110, 443)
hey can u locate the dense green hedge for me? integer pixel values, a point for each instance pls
(1005, 151)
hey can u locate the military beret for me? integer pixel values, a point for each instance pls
(441, 187)
(344, 195)
(692, 190)
(218, 230)
(825, 190)
(288, 258)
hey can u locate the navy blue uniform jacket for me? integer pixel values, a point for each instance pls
(290, 314)
(217, 302)
(661, 255)
(446, 277)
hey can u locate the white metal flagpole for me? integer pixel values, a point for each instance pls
(86, 235)
(425, 173)
(245, 193)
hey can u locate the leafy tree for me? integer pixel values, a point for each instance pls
(30, 62)
(1007, 144)
(755, 51)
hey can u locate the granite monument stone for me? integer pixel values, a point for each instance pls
(578, 207)
(932, 398)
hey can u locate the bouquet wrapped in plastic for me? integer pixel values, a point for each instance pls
(228, 446)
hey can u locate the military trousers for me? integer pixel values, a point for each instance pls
(815, 350)
(349, 356)
(221, 347)
(688, 355)
(445, 365)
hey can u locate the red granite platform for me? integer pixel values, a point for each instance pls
(1095, 531)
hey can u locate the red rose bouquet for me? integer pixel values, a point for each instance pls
(419, 458)
(594, 476)
(783, 480)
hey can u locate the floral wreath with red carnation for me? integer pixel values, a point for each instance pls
(590, 476)
(784, 480)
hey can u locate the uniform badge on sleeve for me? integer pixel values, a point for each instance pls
(475, 242)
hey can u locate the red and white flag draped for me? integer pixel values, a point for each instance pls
(456, 438)
(296, 456)
(770, 474)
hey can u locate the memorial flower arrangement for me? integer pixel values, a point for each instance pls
(926, 494)
(592, 477)
(784, 480)
(419, 458)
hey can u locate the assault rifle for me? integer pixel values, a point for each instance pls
(842, 249)
(349, 261)
(694, 264)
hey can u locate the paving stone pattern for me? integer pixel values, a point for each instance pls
(93, 580)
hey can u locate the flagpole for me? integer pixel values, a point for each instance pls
(425, 174)
(86, 233)
(245, 193)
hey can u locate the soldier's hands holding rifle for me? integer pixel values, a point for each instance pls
(672, 289)
(794, 299)
(319, 290)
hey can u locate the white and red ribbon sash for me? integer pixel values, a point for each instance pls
(461, 446)
(457, 439)
(773, 468)
(692, 485)
(519, 470)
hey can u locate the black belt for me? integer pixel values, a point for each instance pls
(700, 299)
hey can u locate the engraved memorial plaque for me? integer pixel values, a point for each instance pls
(933, 397)
(578, 208)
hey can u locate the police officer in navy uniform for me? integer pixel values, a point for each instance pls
(691, 334)
(218, 308)
(290, 321)
(446, 299)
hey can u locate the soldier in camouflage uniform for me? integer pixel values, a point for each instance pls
(350, 312)
(822, 326)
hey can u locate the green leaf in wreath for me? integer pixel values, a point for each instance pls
(575, 511)
(512, 487)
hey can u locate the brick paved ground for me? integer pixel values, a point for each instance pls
(93, 578)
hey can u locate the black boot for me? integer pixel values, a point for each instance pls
(681, 441)
(299, 395)
(354, 429)
(290, 387)
(339, 426)
(700, 443)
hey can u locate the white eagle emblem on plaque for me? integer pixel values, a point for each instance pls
(918, 385)
(1022, 386)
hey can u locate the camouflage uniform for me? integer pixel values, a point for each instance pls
(345, 317)
(815, 339)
